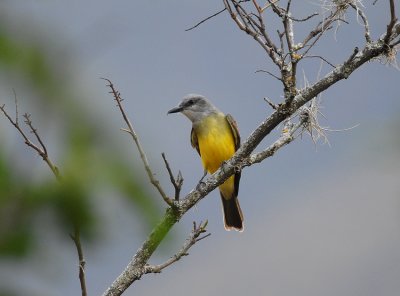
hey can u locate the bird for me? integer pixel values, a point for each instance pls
(216, 138)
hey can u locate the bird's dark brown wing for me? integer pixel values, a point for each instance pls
(236, 138)
(194, 141)
(234, 129)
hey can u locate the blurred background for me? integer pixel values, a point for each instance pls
(319, 219)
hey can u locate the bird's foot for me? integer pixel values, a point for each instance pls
(201, 184)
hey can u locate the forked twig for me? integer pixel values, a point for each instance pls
(39, 148)
(176, 182)
(193, 238)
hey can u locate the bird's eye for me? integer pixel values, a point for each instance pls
(190, 102)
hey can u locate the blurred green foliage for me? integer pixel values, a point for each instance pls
(86, 159)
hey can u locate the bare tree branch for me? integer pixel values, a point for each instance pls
(272, 74)
(322, 26)
(176, 182)
(39, 148)
(367, 33)
(206, 19)
(393, 21)
(286, 138)
(321, 58)
(241, 23)
(131, 131)
(244, 156)
(193, 238)
(42, 151)
(273, 106)
(305, 18)
(82, 263)
(133, 271)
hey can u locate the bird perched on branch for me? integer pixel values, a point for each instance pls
(216, 137)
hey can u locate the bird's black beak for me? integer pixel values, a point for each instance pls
(175, 110)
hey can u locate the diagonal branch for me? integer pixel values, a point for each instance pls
(241, 23)
(131, 131)
(39, 148)
(321, 27)
(206, 19)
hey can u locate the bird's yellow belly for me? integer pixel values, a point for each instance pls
(216, 144)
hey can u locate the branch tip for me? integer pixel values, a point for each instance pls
(117, 96)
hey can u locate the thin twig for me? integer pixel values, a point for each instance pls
(193, 238)
(393, 21)
(273, 105)
(286, 137)
(265, 71)
(16, 107)
(41, 148)
(321, 27)
(262, 29)
(320, 57)
(355, 52)
(206, 19)
(76, 238)
(367, 33)
(117, 97)
(28, 122)
(317, 38)
(268, 5)
(243, 25)
(305, 18)
(176, 182)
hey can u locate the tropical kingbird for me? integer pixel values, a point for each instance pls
(216, 137)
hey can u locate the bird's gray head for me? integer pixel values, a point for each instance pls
(195, 107)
